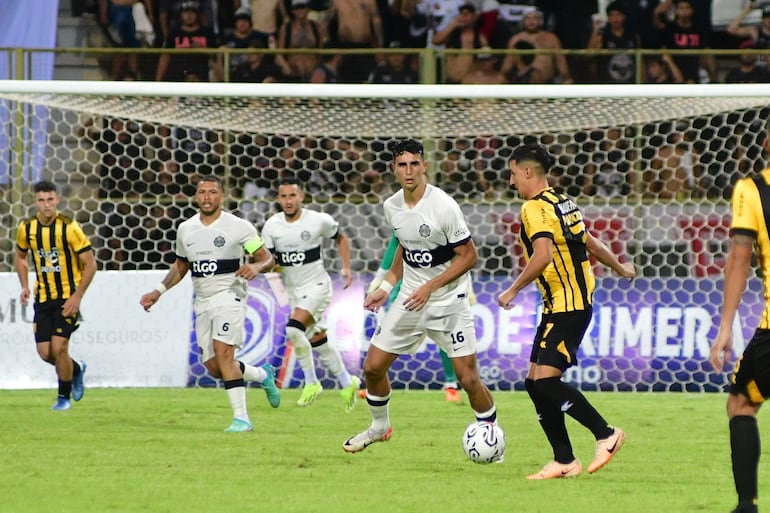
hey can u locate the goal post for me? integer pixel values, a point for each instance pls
(652, 168)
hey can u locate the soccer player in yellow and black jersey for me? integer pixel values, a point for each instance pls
(64, 267)
(557, 246)
(750, 382)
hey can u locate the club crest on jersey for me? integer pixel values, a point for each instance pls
(424, 231)
(305, 235)
(219, 241)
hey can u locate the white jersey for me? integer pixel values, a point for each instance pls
(215, 252)
(297, 245)
(428, 234)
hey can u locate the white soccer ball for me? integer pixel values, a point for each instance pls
(484, 442)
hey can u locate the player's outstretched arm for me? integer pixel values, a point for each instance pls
(174, 276)
(343, 248)
(599, 249)
(377, 298)
(385, 265)
(737, 269)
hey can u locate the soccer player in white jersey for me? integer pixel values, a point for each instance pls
(433, 261)
(213, 245)
(295, 236)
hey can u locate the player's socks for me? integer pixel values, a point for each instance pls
(65, 389)
(487, 416)
(450, 378)
(745, 450)
(251, 373)
(551, 421)
(236, 394)
(295, 331)
(76, 369)
(332, 360)
(572, 402)
(379, 408)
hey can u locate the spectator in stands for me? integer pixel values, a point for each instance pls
(549, 63)
(485, 70)
(257, 68)
(749, 70)
(683, 33)
(328, 71)
(406, 24)
(608, 173)
(618, 68)
(661, 70)
(225, 16)
(396, 69)
(117, 18)
(671, 171)
(170, 15)
(267, 16)
(522, 70)
(358, 25)
(639, 20)
(241, 38)
(299, 32)
(759, 36)
(462, 33)
(190, 34)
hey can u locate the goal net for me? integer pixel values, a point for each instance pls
(651, 167)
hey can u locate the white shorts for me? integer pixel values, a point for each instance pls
(314, 298)
(221, 318)
(451, 327)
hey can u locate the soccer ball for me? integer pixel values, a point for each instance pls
(484, 442)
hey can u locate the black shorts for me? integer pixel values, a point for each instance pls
(751, 376)
(50, 322)
(558, 338)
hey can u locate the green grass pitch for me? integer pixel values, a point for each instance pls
(163, 450)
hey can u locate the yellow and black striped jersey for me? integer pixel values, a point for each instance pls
(55, 249)
(750, 211)
(567, 283)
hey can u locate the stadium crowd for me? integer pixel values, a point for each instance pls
(481, 41)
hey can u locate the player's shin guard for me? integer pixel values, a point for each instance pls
(552, 422)
(295, 331)
(251, 373)
(236, 394)
(571, 401)
(332, 360)
(745, 450)
(379, 408)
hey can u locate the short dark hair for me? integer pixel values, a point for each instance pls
(535, 152)
(615, 6)
(404, 145)
(290, 180)
(212, 178)
(44, 186)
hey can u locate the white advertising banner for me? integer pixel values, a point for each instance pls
(123, 345)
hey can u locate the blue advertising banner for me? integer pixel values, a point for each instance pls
(646, 335)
